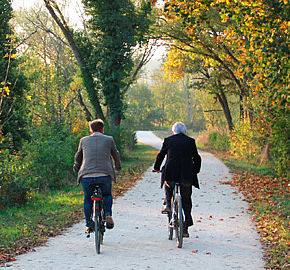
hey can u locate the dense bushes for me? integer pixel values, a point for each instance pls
(212, 139)
(124, 136)
(280, 146)
(50, 154)
(16, 183)
(218, 141)
(45, 163)
(245, 142)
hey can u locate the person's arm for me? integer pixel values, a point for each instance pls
(78, 158)
(161, 155)
(196, 158)
(116, 156)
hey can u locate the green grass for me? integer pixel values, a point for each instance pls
(238, 165)
(46, 215)
(141, 158)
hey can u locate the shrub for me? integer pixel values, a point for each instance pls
(244, 142)
(124, 136)
(51, 153)
(16, 183)
(218, 141)
(280, 146)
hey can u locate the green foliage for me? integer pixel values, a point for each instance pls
(218, 141)
(142, 111)
(124, 136)
(12, 82)
(16, 183)
(115, 30)
(46, 215)
(51, 153)
(280, 146)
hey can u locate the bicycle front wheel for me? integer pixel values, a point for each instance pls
(179, 225)
(98, 233)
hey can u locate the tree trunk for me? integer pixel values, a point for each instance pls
(86, 75)
(265, 156)
(89, 116)
(115, 120)
(225, 106)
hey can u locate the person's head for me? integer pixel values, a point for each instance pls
(97, 126)
(178, 127)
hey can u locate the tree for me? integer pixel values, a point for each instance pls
(52, 73)
(12, 82)
(142, 109)
(116, 27)
(205, 77)
(247, 40)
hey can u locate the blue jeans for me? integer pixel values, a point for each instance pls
(89, 184)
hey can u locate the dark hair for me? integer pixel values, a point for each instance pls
(97, 125)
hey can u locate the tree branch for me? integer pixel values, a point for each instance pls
(31, 34)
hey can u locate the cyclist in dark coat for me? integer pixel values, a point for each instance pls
(182, 165)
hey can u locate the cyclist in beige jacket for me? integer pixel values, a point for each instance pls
(94, 164)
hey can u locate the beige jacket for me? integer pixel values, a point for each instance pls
(95, 155)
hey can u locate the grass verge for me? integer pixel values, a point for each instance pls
(47, 215)
(268, 196)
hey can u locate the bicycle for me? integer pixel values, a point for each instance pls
(175, 217)
(98, 218)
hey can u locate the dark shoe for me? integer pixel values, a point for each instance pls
(109, 222)
(90, 228)
(185, 232)
(166, 210)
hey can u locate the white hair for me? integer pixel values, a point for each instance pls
(178, 127)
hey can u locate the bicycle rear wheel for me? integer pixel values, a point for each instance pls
(179, 225)
(170, 222)
(98, 233)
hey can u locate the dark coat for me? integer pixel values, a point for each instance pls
(183, 161)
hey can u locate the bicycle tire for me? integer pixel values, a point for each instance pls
(102, 228)
(170, 223)
(97, 231)
(179, 225)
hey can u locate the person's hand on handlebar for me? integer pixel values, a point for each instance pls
(153, 170)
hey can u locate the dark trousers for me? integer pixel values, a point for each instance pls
(185, 192)
(89, 184)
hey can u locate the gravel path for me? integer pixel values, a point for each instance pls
(223, 236)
